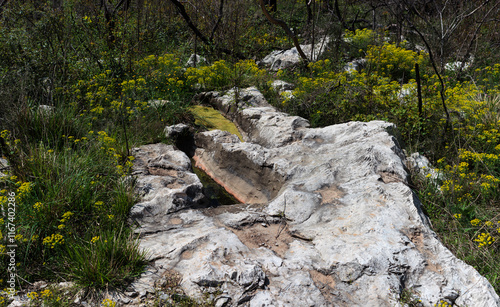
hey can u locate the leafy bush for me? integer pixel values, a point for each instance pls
(394, 62)
(359, 41)
(223, 75)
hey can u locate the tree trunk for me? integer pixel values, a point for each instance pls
(309, 11)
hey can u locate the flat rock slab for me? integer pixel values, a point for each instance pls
(326, 218)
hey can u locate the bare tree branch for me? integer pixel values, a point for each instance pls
(339, 14)
(197, 32)
(184, 14)
(433, 62)
(286, 28)
(221, 8)
(2, 4)
(471, 44)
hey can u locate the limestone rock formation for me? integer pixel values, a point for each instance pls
(176, 130)
(199, 61)
(326, 217)
(281, 86)
(165, 181)
(282, 59)
(419, 164)
(45, 110)
(4, 166)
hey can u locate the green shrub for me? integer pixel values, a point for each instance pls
(394, 62)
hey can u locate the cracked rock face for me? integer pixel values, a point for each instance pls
(326, 218)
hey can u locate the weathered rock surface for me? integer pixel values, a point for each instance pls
(419, 164)
(327, 218)
(159, 103)
(165, 181)
(282, 59)
(4, 167)
(281, 86)
(195, 60)
(45, 110)
(355, 65)
(176, 130)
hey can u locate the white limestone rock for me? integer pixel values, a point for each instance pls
(175, 130)
(419, 164)
(282, 59)
(280, 86)
(355, 65)
(4, 167)
(166, 182)
(199, 60)
(46, 110)
(327, 219)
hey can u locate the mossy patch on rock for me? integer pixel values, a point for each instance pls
(212, 119)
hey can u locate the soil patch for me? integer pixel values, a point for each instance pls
(330, 194)
(272, 236)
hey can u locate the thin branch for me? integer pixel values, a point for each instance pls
(285, 27)
(2, 4)
(467, 53)
(184, 14)
(120, 4)
(433, 62)
(197, 32)
(221, 8)
(339, 14)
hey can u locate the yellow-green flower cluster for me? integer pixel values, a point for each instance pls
(222, 74)
(24, 189)
(360, 39)
(66, 216)
(5, 134)
(475, 222)
(484, 239)
(38, 206)
(216, 75)
(32, 295)
(45, 297)
(108, 303)
(47, 293)
(263, 40)
(105, 139)
(489, 77)
(53, 240)
(443, 303)
(392, 61)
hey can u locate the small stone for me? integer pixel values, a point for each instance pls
(131, 294)
(199, 60)
(45, 110)
(222, 301)
(40, 285)
(125, 300)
